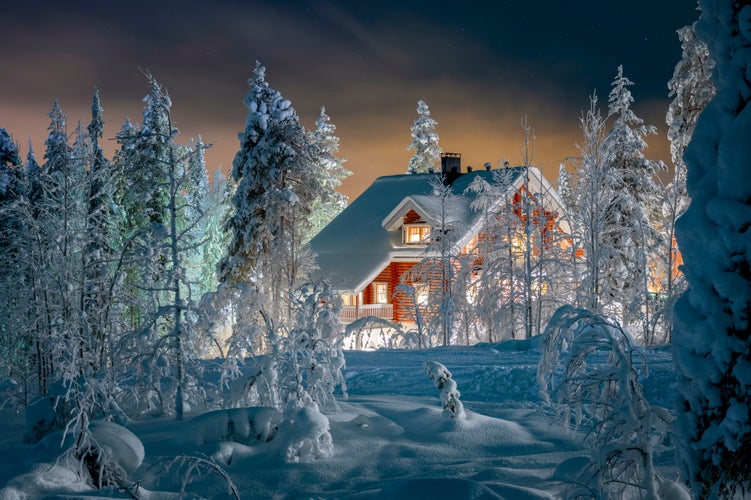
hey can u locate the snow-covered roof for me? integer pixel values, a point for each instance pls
(356, 246)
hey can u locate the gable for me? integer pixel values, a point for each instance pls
(362, 240)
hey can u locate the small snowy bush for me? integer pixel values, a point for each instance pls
(241, 425)
(305, 434)
(441, 377)
(606, 395)
(108, 454)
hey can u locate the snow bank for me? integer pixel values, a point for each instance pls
(305, 435)
(242, 425)
(121, 447)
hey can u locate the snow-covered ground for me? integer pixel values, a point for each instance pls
(391, 439)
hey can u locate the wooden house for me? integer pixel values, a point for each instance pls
(367, 249)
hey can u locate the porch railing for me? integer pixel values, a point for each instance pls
(351, 313)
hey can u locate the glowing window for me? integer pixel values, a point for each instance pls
(415, 235)
(381, 293)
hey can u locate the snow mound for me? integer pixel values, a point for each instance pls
(45, 478)
(242, 425)
(121, 447)
(306, 436)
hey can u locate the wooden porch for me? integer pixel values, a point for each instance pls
(351, 313)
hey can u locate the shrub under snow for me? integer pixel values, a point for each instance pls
(441, 377)
(587, 367)
(241, 425)
(305, 435)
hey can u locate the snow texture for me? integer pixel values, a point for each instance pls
(711, 340)
(392, 439)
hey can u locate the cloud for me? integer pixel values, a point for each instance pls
(367, 63)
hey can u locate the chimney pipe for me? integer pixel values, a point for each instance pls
(451, 167)
(487, 166)
(469, 168)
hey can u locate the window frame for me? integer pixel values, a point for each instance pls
(422, 231)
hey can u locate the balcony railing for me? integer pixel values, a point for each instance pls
(351, 313)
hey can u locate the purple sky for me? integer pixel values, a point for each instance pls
(480, 66)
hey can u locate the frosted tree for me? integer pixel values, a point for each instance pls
(267, 259)
(311, 362)
(12, 344)
(711, 344)
(330, 170)
(98, 290)
(594, 214)
(537, 244)
(9, 163)
(604, 396)
(490, 305)
(427, 154)
(205, 209)
(142, 195)
(518, 250)
(435, 274)
(11, 184)
(164, 343)
(691, 89)
(276, 187)
(639, 206)
(611, 226)
(441, 378)
(498, 287)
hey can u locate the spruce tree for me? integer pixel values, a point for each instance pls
(273, 200)
(712, 337)
(427, 155)
(330, 170)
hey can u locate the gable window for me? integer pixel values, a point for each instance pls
(416, 234)
(381, 293)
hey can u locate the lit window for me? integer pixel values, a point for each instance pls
(381, 293)
(471, 245)
(414, 235)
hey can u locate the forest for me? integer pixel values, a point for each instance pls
(143, 288)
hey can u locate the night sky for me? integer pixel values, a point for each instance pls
(480, 66)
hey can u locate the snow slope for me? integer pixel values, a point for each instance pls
(391, 438)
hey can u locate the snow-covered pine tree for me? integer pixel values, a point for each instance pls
(427, 155)
(330, 169)
(691, 89)
(276, 187)
(58, 220)
(712, 336)
(142, 194)
(639, 207)
(9, 164)
(99, 291)
(12, 344)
